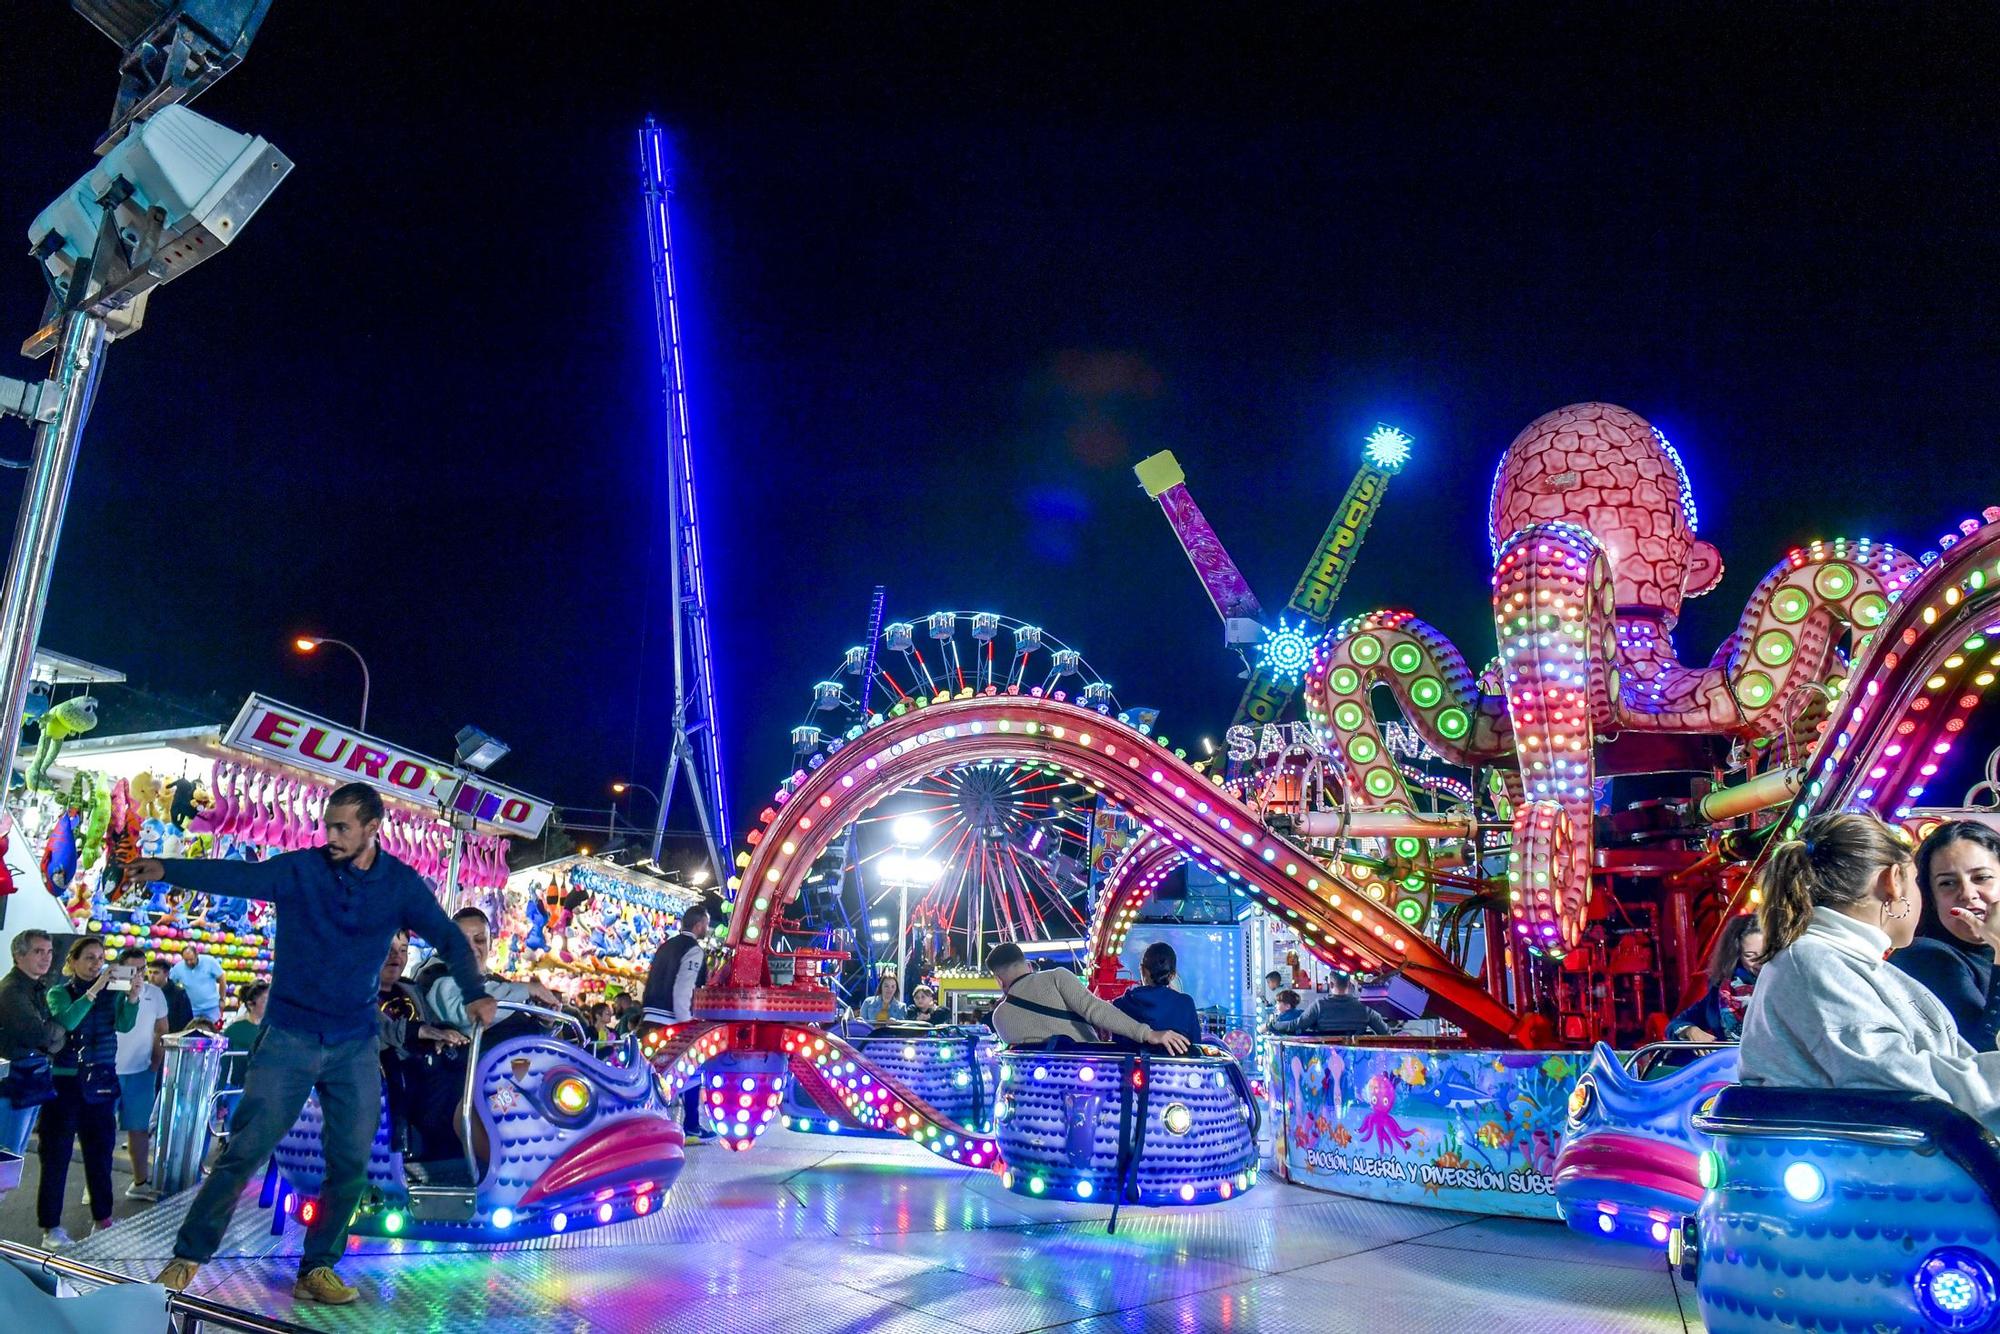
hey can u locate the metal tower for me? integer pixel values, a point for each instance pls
(696, 751)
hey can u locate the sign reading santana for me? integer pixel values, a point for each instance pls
(304, 741)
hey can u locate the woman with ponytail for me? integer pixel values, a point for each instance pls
(1829, 1011)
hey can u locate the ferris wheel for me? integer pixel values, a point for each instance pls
(976, 853)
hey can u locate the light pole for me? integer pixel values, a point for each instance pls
(311, 644)
(907, 870)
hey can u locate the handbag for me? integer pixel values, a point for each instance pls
(97, 1084)
(30, 1081)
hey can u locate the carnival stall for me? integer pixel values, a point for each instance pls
(246, 792)
(588, 924)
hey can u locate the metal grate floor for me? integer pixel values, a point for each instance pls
(807, 1237)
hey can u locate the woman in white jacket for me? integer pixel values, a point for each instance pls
(1829, 1011)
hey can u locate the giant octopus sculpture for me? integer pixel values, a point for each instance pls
(1593, 527)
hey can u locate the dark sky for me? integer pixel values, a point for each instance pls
(948, 272)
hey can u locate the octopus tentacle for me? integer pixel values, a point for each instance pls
(1785, 644)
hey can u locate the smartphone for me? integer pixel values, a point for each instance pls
(122, 976)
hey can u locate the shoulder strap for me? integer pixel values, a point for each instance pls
(1046, 1011)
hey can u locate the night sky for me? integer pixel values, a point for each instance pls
(948, 273)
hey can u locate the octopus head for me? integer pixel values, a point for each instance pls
(1607, 469)
(1381, 1092)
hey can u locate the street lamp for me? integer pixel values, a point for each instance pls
(906, 873)
(311, 644)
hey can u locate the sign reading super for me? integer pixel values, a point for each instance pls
(341, 754)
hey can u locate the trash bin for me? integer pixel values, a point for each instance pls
(187, 1090)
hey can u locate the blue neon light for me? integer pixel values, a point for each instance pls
(1386, 447)
(1286, 652)
(659, 241)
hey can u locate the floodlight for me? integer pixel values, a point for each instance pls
(898, 869)
(910, 830)
(176, 190)
(173, 49)
(479, 750)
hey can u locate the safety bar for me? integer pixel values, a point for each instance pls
(194, 1311)
(1650, 1055)
(1885, 1136)
(472, 1071)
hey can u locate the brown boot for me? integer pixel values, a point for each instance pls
(321, 1284)
(178, 1274)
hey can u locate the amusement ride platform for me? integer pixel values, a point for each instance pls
(808, 1234)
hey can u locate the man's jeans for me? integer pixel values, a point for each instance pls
(284, 1067)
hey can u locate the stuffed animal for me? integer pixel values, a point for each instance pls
(185, 801)
(59, 856)
(72, 717)
(145, 793)
(121, 833)
(96, 819)
(37, 702)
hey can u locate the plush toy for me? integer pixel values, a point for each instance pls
(537, 939)
(59, 856)
(6, 876)
(185, 801)
(96, 819)
(72, 717)
(145, 794)
(121, 833)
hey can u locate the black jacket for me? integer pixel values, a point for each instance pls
(25, 1025)
(1336, 1016)
(668, 962)
(180, 1010)
(1961, 975)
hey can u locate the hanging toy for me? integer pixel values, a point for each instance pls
(72, 717)
(121, 832)
(96, 819)
(185, 801)
(6, 875)
(537, 939)
(59, 855)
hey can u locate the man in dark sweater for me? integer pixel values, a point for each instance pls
(338, 906)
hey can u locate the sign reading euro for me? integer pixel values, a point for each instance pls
(340, 754)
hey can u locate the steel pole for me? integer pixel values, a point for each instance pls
(902, 933)
(451, 869)
(79, 358)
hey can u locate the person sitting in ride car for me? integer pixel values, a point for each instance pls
(1732, 977)
(1055, 1006)
(1829, 1011)
(1958, 866)
(1156, 1003)
(1341, 1013)
(924, 1008)
(446, 1002)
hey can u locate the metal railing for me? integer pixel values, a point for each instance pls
(472, 1070)
(1641, 1063)
(192, 1312)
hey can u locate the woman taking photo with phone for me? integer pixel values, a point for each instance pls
(86, 1077)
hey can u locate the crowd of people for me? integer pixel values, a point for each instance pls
(86, 1045)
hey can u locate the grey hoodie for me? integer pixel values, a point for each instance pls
(1830, 1012)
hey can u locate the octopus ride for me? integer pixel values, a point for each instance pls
(1616, 805)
